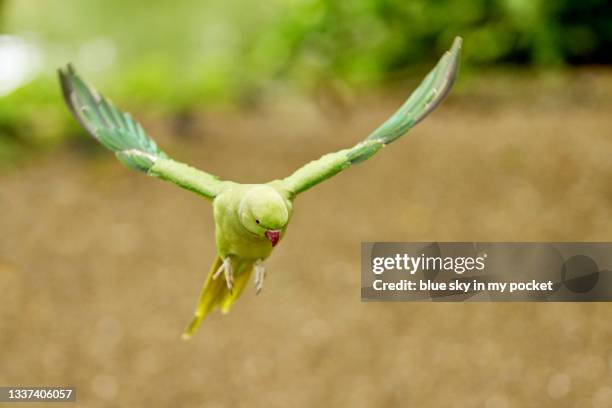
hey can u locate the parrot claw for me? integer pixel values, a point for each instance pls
(260, 273)
(226, 268)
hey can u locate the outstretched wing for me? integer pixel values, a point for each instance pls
(118, 132)
(423, 101)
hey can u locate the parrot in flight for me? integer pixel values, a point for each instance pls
(250, 219)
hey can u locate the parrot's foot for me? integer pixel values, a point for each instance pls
(226, 268)
(260, 273)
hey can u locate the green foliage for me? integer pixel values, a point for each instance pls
(173, 55)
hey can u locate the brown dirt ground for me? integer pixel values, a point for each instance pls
(100, 267)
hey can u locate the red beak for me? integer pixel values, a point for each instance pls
(273, 236)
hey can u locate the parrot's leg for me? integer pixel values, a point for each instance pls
(260, 273)
(226, 268)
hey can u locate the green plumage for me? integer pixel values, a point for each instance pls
(249, 218)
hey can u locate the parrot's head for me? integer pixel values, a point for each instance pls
(265, 213)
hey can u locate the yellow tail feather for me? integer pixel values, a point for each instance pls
(215, 293)
(240, 283)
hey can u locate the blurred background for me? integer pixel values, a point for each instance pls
(100, 267)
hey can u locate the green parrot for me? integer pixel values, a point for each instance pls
(250, 219)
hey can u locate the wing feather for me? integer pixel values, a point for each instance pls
(428, 95)
(120, 133)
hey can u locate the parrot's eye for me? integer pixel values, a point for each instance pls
(257, 221)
